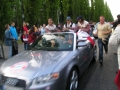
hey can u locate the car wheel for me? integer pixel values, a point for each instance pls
(73, 80)
(94, 54)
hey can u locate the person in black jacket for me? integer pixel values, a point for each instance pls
(116, 22)
(114, 26)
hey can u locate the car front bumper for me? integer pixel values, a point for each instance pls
(48, 86)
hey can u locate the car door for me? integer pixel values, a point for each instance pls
(89, 52)
(83, 54)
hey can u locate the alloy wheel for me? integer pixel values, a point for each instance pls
(74, 80)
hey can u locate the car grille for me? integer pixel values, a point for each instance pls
(12, 82)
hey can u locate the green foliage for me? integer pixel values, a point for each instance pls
(6, 14)
(107, 13)
(98, 8)
(38, 11)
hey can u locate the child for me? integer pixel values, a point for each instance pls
(25, 40)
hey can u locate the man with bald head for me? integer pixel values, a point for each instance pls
(103, 32)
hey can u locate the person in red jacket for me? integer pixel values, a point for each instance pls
(25, 27)
(25, 40)
(33, 34)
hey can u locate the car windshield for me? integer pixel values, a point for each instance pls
(55, 41)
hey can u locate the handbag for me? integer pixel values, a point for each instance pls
(117, 79)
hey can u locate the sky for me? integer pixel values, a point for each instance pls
(114, 6)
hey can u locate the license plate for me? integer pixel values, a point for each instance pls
(7, 87)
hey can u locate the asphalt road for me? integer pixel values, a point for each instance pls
(95, 77)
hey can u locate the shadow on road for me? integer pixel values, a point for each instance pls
(84, 79)
(98, 77)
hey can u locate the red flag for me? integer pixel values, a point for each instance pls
(117, 79)
(91, 41)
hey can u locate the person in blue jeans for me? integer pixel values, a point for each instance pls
(8, 38)
(101, 45)
(103, 32)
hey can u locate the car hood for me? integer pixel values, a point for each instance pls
(30, 63)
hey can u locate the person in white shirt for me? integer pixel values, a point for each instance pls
(68, 24)
(40, 27)
(115, 41)
(82, 25)
(51, 27)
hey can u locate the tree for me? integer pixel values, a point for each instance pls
(38, 11)
(107, 13)
(65, 5)
(32, 10)
(98, 8)
(6, 14)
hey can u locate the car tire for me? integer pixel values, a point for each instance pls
(94, 54)
(73, 80)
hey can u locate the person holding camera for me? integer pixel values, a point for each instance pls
(103, 32)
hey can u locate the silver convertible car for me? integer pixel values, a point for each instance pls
(55, 61)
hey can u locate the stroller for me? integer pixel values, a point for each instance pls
(14, 47)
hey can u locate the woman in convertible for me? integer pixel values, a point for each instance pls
(33, 34)
(82, 25)
(51, 27)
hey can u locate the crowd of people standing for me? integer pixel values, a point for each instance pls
(30, 33)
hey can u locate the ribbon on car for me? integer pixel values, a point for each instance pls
(82, 35)
(91, 41)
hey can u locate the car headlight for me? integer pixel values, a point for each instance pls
(46, 78)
